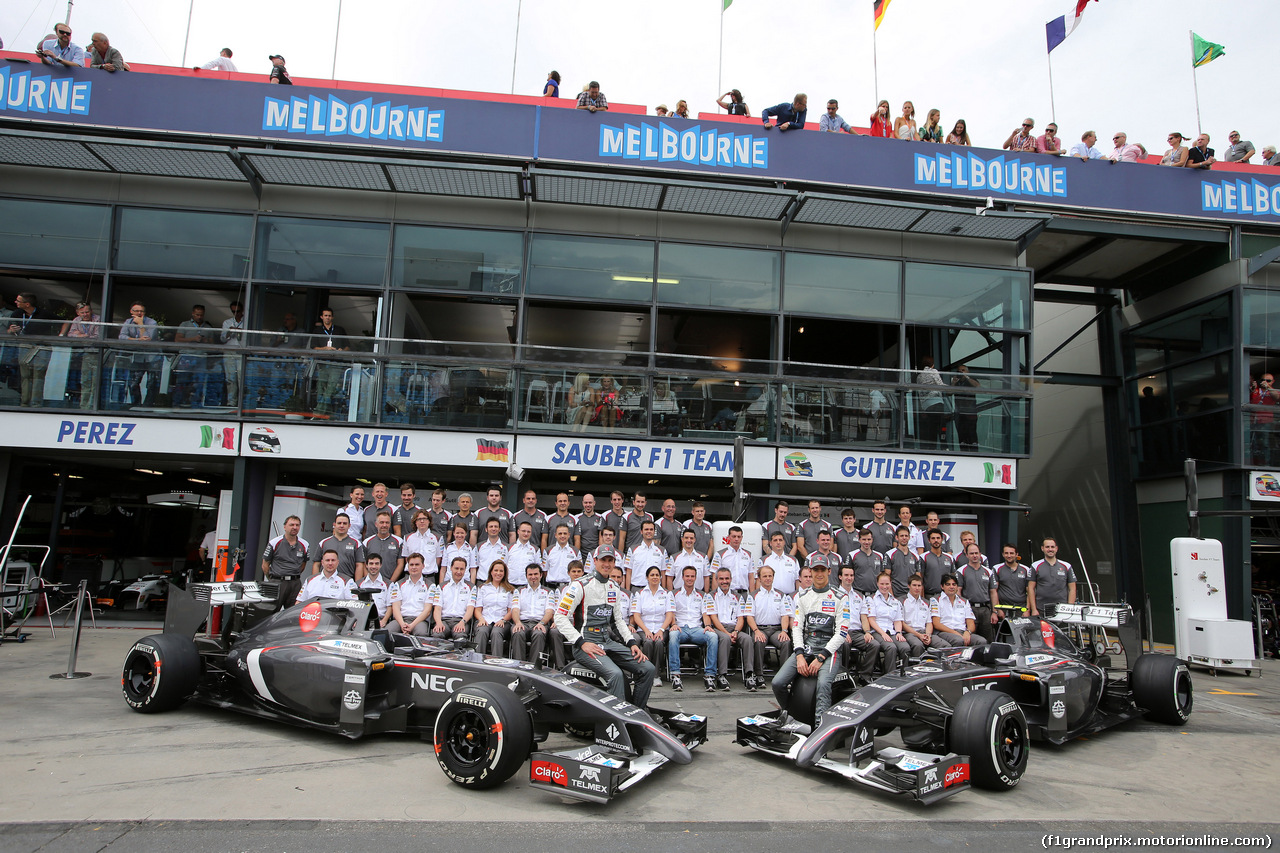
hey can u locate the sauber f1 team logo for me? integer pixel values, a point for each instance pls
(309, 616)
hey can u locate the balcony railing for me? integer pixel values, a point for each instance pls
(477, 385)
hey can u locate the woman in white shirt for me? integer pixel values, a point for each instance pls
(494, 600)
(459, 547)
(652, 613)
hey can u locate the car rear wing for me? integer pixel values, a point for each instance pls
(201, 605)
(1119, 616)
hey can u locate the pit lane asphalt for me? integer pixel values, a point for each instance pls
(80, 771)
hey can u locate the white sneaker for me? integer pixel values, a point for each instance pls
(657, 682)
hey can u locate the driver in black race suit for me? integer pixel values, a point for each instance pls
(586, 610)
(818, 636)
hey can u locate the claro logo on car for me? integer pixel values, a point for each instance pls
(309, 617)
(548, 771)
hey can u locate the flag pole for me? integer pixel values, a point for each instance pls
(515, 51)
(720, 59)
(337, 27)
(1053, 110)
(186, 40)
(875, 67)
(1195, 83)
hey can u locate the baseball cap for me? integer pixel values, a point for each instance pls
(276, 56)
(606, 551)
(820, 567)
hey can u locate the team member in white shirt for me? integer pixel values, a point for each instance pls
(646, 552)
(454, 602)
(689, 626)
(607, 537)
(524, 551)
(884, 619)
(423, 540)
(741, 564)
(768, 614)
(804, 581)
(653, 614)
(491, 550)
(576, 572)
(689, 555)
(624, 599)
(724, 612)
(953, 617)
(535, 607)
(786, 570)
(373, 579)
(411, 601)
(857, 642)
(917, 620)
(460, 547)
(327, 584)
(355, 511)
(495, 599)
(559, 556)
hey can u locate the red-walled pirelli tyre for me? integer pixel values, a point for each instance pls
(160, 672)
(482, 736)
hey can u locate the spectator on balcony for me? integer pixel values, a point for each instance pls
(682, 109)
(1085, 150)
(86, 325)
(1269, 156)
(144, 365)
(904, 126)
(881, 126)
(189, 369)
(931, 131)
(933, 407)
(1238, 151)
(607, 411)
(735, 106)
(790, 116)
(831, 122)
(1049, 142)
(233, 336)
(966, 408)
(279, 74)
(1200, 155)
(222, 62)
(60, 50)
(1177, 154)
(328, 337)
(1126, 152)
(959, 134)
(104, 56)
(552, 88)
(33, 362)
(288, 336)
(661, 111)
(1021, 138)
(593, 100)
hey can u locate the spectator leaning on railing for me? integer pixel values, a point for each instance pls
(220, 63)
(1269, 156)
(790, 116)
(1126, 152)
(1200, 155)
(1238, 151)
(1085, 150)
(1177, 153)
(60, 50)
(104, 56)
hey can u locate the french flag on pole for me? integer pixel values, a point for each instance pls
(1057, 30)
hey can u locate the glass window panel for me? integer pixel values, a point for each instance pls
(54, 235)
(1201, 386)
(715, 276)
(709, 340)
(452, 326)
(184, 242)
(581, 401)
(968, 296)
(587, 335)
(592, 268)
(845, 287)
(321, 251)
(1200, 329)
(457, 259)
(816, 346)
(1262, 318)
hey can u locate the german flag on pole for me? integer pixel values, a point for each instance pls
(489, 450)
(880, 6)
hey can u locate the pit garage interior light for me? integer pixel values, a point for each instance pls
(182, 499)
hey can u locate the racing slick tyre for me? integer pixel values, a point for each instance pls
(989, 727)
(803, 700)
(483, 734)
(579, 731)
(1162, 686)
(160, 672)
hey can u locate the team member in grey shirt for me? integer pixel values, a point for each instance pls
(975, 586)
(387, 545)
(1009, 581)
(560, 518)
(537, 519)
(668, 529)
(1052, 580)
(867, 564)
(882, 533)
(586, 532)
(349, 550)
(934, 564)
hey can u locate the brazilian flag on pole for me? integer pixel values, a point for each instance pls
(1203, 52)
(727, 4)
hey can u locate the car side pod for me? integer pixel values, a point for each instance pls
(926, 777)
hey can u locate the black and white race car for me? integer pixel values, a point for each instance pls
(969, 715)
(324, 665)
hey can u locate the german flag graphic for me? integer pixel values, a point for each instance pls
(489, 450)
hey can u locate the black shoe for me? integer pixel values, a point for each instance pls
(722, 682)
(675, 684)
(750, 682)
(710, 681)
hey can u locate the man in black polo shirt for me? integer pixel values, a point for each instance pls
(284, 561)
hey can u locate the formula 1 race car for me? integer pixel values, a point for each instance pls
(147, 592)
(325, 665)
(968, 715)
